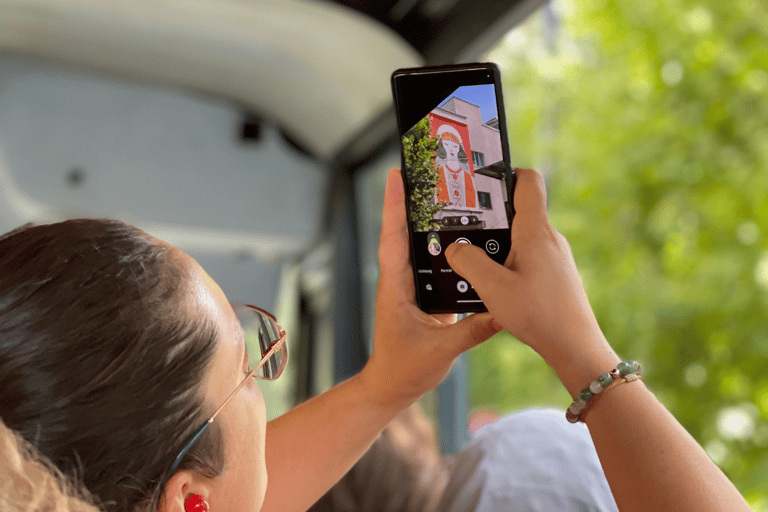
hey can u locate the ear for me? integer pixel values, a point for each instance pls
(181, 485)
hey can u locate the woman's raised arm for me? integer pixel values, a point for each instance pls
(312, 446)
(651, 462)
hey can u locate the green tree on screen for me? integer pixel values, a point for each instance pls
(419, 149)
(650, 123)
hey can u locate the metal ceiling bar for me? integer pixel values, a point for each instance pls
(350, 348)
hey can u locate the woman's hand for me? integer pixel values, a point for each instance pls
(537, 294)
(651, 462)
(413, 351)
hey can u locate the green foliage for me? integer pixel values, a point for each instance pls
(649, 120)
(419, 149)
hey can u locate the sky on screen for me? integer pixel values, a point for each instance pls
(481, 95)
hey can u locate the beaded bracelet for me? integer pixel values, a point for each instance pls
(626, 371)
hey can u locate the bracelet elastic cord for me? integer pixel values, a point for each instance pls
(627, 371)
(591, 403)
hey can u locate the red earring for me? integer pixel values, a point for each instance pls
(195, 503)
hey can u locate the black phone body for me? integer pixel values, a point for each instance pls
(459, 183)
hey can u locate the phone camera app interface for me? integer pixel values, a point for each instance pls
(458, 188)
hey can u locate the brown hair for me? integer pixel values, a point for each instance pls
(403, 471)
(100, 358)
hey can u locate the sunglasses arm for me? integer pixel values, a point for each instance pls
(192, 440)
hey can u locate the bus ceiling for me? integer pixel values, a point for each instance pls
(319, 69)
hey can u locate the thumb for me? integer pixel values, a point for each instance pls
(473, 330)
(492, 281)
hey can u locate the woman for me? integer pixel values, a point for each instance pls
(116, 348)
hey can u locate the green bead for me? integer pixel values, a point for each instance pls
(605, 379)
(585, 394)
(634, 365)
(624, 369)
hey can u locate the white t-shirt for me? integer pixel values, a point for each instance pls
(530, 461)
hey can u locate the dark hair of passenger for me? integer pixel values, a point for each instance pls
(102, 358)
(402, 471)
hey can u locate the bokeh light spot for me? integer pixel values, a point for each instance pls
(757, 80)
(761, 399)
(761, 271)
(695, 375)
(699, 19)
(736, 422)
(672, 72)
(748, 232)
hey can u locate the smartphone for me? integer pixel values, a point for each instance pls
(459, 183)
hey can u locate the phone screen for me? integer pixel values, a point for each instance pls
(457, 176)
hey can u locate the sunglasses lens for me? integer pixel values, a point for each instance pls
(260, 333)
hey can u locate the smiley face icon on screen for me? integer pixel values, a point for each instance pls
(433, 244)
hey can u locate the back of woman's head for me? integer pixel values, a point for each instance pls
(102, 355)
(402, 471)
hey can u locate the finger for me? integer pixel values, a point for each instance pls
(530, 197)
(394, 254)
(490, 280)
(445, 318)
(472, 330)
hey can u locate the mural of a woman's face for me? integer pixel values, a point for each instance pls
(452, 149)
